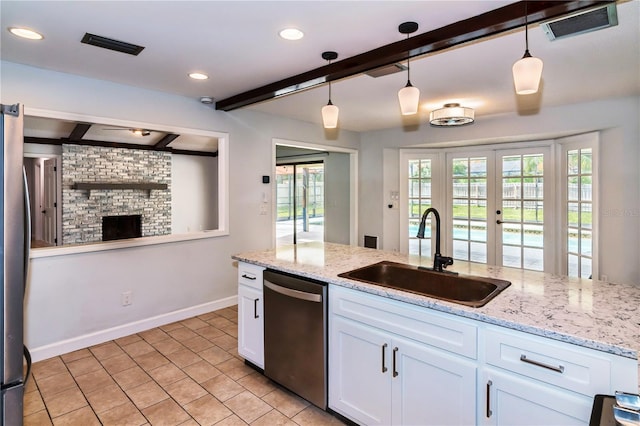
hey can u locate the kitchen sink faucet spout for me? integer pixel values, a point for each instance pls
(439, 261)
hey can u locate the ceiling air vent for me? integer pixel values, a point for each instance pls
(111, 44)
(386, 70)
(582, 22)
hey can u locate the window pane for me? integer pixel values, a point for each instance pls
(586, 217)
(478, 231)
(533, 188)
(585, 268)
(511, 256)
(572, 265)
(573, 214)
(573, 188)
(573, 162)
(511, 211)
(533, 165)
(478, 252)
(460, 188)
(478, 167)
(586, 243)
(533, 212)
(478, 188)
(511, 188)
(414, 168)
(425, 188)
(572, 241)
(585, 188)
(533, 235)
(478, 209)
(533, 259)
(511, 233)
(460, 250)
(511, 166)
(460, 209)
(460, 167)
(585, 162)
(460, 230)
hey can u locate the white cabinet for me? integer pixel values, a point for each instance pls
(250, 313)
(386, 365)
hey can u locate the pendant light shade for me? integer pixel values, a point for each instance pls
(527, 72)
(330, 111)
(408, 96)
(330, 116)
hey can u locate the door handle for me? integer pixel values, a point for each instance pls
(499, 222)
(384, 364)
(249, 277)
(559, 369)
(395, 371)
(255, 308)
(488, 412)
(297, 294)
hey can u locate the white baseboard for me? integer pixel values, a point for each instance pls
(95, 338)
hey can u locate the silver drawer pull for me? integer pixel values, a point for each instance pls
(559, 369)
(249, 277)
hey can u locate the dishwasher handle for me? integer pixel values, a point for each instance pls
(297, 294)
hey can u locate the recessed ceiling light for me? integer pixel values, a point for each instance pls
(291, 34)
(26, 33)
(198, 76)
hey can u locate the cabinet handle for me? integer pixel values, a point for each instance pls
(488, 412)
(559, 369)
(255, 308)
(384, 364)
(249, 277)
(395, 372)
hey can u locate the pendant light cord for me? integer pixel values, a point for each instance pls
(408, 65)
(526, 26)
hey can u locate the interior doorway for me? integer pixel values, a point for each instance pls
(44, 192)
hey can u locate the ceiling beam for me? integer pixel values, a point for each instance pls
(79, 131)
(166, 140)
(488, 24)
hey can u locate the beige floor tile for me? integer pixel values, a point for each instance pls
(313, 416)
(95, 380)
(183, 358)
(197, 344)
(65, 402)
(138, 348)
(228, 313)
(49, 367)
(209, 332)
(183, 333)
(257, 384)
(171, 326)
(123, 415)
(118, 363)
(131, 378)
(222, 387)
(84, 366)
(274, 418)
(194, 323)
(40, 418)
(147, 394)
(225, 341)
(106, 398)
(232, 420)
(286, 402)
(75, 355)
(220, 322)
(52, 385)
(106, 350)
(80, 417)
(166, 412)
(247, 406)
(153, 335)
(202, 371)
(235, 368)
(208, 316)
(168, 346)
(33, 403)
(127, 340)
(190, 422)
(185, 391)
(167, 374)
(151, 360)
(215, 355)
(207, 410)
(231, 330)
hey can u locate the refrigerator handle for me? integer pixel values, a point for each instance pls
(27, 229)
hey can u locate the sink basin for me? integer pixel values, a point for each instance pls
(466, 290)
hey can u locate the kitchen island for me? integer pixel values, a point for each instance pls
(598, 316)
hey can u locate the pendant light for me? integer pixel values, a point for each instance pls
(528, 70)
(451, 115)
(330, 111)
(408, 96)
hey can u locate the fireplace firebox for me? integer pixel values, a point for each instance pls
(121, 227)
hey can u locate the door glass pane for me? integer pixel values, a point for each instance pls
(469, 206)
(511, 257)
(419, 200)
(580, 212)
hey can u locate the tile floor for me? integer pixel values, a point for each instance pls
(185, 373)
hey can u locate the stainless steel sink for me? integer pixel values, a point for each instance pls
(466, 290)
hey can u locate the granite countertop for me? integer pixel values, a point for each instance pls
(594, 314)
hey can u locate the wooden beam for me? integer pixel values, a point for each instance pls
(86, 142)
(488, 24)
(166, 140)
(79, 131)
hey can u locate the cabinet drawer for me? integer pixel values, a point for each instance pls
(561, 364)
(411, 321)
(250, 275)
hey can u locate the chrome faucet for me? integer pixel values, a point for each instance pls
(439, 261)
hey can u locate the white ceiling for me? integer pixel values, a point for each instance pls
(237, 44)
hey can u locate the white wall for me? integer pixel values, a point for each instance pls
(337, 197)
(74, 299)
(617, 120)
(194, 193)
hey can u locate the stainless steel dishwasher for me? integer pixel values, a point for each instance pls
(295, 335)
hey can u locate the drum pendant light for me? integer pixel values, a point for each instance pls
(527, 71)
(408, 96)
(330, 111)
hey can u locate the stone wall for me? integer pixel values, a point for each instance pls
(82, 210)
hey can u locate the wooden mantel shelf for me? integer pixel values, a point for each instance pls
(124, 185)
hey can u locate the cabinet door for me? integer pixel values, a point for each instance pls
(512, 400)
(360, 372)
(431, 387)
(250, 325)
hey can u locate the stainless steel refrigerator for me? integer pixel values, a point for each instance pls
(15, 233)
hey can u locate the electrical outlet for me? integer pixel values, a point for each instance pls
(127, 298)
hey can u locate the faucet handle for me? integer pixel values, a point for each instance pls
(446, 261)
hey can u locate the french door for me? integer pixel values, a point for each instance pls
(496, 202)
